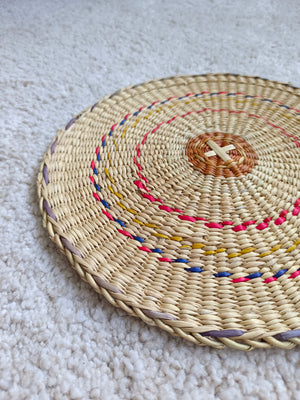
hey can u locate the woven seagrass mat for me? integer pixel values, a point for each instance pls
(179, 201)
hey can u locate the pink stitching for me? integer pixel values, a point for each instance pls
(140, 185)
(96, 196)
(125, 233)
(215, 225)
(294, 274)
(109, 216)
(137, 164)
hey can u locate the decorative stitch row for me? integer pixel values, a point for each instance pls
(140, 185)
(263, 225)
(243, 226)
(285, 335)
(258, 275)
(183, 97)
(198, 269)
(143, 248)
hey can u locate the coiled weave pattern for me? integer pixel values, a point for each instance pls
(179, 201)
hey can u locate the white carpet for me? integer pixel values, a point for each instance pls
(58, 338)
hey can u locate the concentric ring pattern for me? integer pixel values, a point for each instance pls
(179, 200)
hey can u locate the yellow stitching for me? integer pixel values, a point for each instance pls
(248, 250)
(121, 205)
(244, 251)
(194, 100)
(138, 221)
(176, 238)
(124, 132)
(293, 246)
(198, 245)
(234, 255)
(252, 104)
(277, 247)
(148, 115)
(132, 211)
(127, 209)
(160, 235)
(151, 226)
(135, 123)
(266, 254)
(221, 250)
(142, 223)
(109, 177)
(116, 193)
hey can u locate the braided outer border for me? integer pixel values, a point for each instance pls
(215, 339)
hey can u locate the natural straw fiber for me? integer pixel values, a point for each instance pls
(179, 201)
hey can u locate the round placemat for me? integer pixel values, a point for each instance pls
(179, 201)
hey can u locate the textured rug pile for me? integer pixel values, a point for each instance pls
(58, 338)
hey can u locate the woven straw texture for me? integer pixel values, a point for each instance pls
(179, 201)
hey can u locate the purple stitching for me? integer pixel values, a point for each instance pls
(48, 210)
(46, 174)
(71, 122)
(224, 334)
(70, 247)
(53, 146)
(94, 106)
(288, 335)
(114, 94)
(102, 283)
(151, 314)
(158, 314)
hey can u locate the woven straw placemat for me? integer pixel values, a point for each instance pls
(179, 201)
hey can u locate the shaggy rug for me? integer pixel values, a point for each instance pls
(58, 338)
